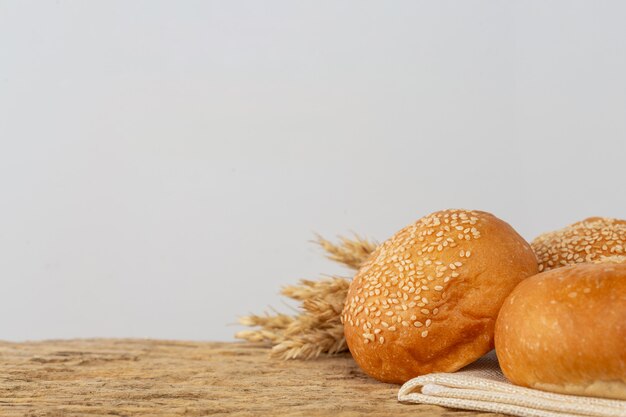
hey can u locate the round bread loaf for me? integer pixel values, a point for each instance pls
(565, 331)
(427, 299)
(585, 241)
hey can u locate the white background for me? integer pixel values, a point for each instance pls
(163, 165)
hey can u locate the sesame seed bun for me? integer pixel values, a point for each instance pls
(585, 241)
(565, 331)
(427, 299)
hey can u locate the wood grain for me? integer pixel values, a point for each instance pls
(158, 378)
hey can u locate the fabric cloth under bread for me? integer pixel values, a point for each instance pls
(481, 386)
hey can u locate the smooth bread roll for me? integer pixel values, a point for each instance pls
(585, 241)
(565, 331)
(427, 299)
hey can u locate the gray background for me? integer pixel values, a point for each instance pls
(163, 165)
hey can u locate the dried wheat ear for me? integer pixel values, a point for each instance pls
(317, 329)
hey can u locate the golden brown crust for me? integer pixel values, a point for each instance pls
(427, 299)
(565, 331)
(584, 241)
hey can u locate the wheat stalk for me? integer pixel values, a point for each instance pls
(317, 329)
(312, 343)
(350, 252)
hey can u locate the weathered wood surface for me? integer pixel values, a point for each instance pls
(172, 378)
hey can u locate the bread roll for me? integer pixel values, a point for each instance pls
(585, 241)
(565, 331)
(427, 299)
(616, 259)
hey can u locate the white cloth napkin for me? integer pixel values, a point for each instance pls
(482, 386)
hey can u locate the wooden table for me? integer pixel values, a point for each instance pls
(106, 377)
